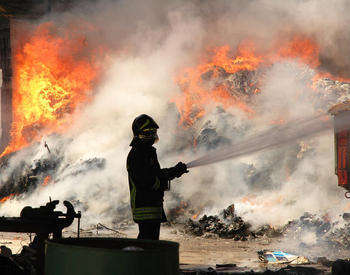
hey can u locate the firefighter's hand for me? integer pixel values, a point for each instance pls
(180, 169)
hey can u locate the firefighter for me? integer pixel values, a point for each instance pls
(147, 181)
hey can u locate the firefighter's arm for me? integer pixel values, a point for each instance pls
(174, 172)
(168, 174)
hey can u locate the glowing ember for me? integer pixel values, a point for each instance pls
(2, 200)
(52, 77)
(254, 200)
(46, 180)
(195, 216)
(278, 121)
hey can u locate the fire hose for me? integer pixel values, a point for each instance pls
(275, 136)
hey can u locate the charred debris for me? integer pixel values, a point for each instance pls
(23, 176)
(227, 225)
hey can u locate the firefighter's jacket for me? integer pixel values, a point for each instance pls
(147, 182)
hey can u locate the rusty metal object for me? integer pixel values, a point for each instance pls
(6, 81)
(341, 114)
(42, 221)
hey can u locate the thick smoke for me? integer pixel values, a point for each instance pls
(270, 186)
(147, 43)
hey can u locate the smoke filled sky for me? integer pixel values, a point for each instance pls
(227, 22)
(143, 46)
(141, 27)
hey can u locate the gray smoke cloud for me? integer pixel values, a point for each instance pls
(148, 42)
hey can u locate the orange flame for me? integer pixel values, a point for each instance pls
(277, 121)
(2, 200)
(300, 48)
(195, 216)
(196, 96)
(199, 95)
(51, 79)
(46, 180)
(254, 200)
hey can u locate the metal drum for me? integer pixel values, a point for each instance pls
(109, 256)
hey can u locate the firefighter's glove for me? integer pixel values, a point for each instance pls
(180, 169)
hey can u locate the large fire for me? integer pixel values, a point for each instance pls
(52, 77)
(207, 85)
(197, 95)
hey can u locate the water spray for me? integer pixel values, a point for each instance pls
(275, 136)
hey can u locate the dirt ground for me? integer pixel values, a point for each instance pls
(199, 251)
(194, 251)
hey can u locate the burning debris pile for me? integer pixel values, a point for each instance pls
(25, 177)
(226, 83)
(227, 225)
(211, 226)
(308, 222)
(340, 237)
(234, 79)
(227, 94)
(334, 235)
(312, 234)
(54, 73)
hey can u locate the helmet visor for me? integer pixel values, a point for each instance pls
(149, 133)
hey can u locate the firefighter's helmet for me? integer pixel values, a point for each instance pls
(144, 127)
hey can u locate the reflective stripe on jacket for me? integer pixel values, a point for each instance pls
(147, 182)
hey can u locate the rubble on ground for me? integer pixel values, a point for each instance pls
(329, 234)
(339, 237)
(308, 222)
(234, 228)
(229, 225)
(237, 229)
(280, 257)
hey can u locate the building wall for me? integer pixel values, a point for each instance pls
(6, 85)
(12, 11)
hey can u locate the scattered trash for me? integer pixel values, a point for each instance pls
(100, 226)
(324, 261)
(229, 226)
(280, 257)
